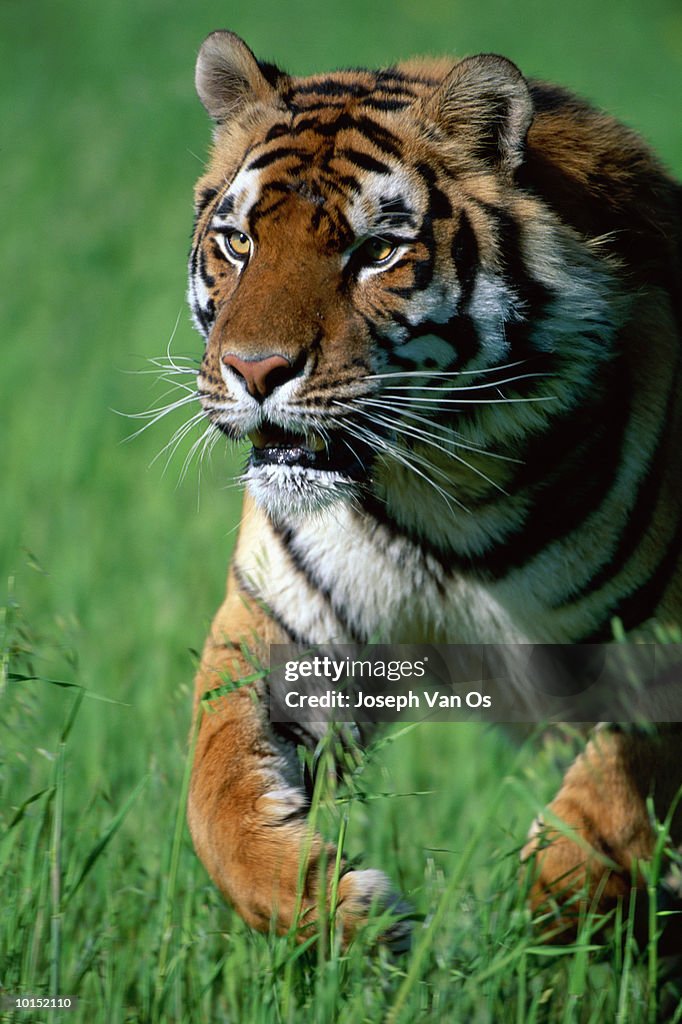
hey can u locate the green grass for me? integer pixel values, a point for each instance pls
(103, 897)
(116, 568)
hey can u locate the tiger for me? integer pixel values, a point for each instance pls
(442, 303)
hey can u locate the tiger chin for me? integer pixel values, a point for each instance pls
(442, 302)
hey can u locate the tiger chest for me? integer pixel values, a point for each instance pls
(343, 578)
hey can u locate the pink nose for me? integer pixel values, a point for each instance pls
(261, 376)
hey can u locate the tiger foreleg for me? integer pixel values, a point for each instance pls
(248, 815)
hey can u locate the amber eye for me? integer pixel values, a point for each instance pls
(238, 245)
(376, 250)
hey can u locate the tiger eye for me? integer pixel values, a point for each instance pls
(378, 250)
(239, 244)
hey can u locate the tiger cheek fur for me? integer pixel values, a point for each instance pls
(441, 302)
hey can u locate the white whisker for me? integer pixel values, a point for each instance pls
(419, 435)
(155, 415)
(396, 374)
(368, 436)
(190, 389)
(409, 414)
(172, 445)
(166, 368)
(484, 401)
(468, 387)
(198, 448)
(160, 410)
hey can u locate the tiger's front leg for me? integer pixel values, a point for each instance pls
(247, 807)
(598, 830)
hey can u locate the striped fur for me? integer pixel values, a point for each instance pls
(486, 417)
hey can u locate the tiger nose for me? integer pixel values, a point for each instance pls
(261, 376)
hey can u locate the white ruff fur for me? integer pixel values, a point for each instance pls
(284, 491)
(381, 604)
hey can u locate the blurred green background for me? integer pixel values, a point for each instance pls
(116, 567)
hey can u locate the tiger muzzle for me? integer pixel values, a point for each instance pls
(273, 446)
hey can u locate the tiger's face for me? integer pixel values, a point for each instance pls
(380, 307)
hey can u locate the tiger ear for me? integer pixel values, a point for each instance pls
(227, 76)
(484, 102)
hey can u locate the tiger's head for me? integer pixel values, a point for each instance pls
(387, 310)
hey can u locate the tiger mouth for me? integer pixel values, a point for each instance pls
(273, 446)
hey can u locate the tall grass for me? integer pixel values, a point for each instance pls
(127, 921)
(117, 567)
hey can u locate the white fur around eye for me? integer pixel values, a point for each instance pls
(379, 268)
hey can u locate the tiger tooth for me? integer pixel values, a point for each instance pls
(256, 438)
(315, 443)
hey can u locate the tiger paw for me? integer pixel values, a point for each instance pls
(369, 892)
(571, 869)
(588, 848)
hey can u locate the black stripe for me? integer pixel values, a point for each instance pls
(401, 293)
(339, 182)
(194, 258)
(373, 508)
(327, 87)
(287, 536)
(386, 344)
(568, 471)
(205, 199)
(204, 324)
(395, 205)
(533, 295)
(207, 278)
(262, 209)
(641, 604)
(393, 75)
(422, 270)
(244, 584)
(567, 489)
(304, 122)
(392, 86)
(225, 206)
(641, 515)
(298, 110)
(271, 73)
(206, 196)
(440, 207)
(209, 312)
(387, 106)
(402, 262)
(375, 132)
(465, 259)
(277, 131)
(340, 234)
(364, 160)
(279, 186)
(272, 155)
(379, 136)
